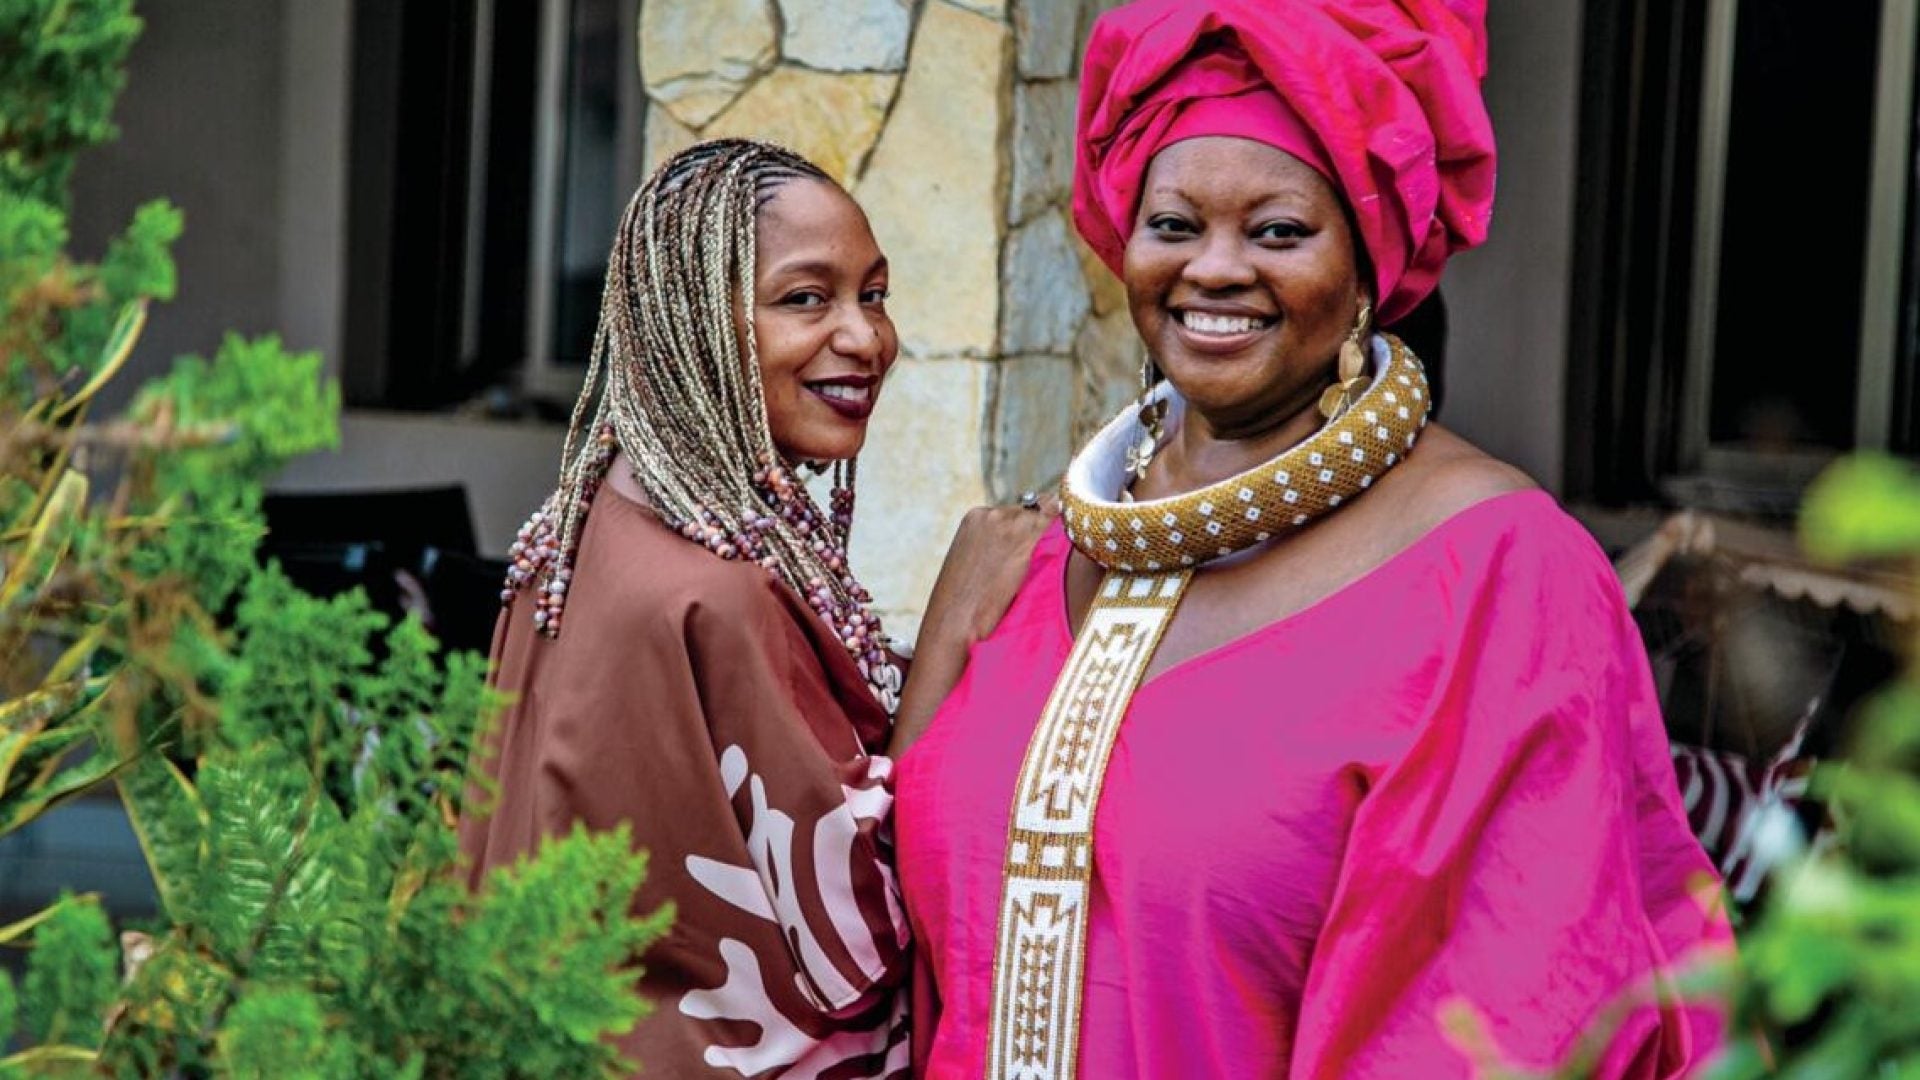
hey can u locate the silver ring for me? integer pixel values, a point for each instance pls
(1030, 500)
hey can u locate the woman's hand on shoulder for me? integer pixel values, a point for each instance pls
(982, 573)
(983, 570)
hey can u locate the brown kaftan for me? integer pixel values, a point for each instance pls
(704, 704)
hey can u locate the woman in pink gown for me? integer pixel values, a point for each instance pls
(1300, 731)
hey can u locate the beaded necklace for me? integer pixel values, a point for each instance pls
(1336, 463)
(536, 558)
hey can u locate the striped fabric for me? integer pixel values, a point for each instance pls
(1728, 798)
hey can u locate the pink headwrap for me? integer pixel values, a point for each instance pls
(1381, 96)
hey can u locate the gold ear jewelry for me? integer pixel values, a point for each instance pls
(1340, 397)
(1151, 414)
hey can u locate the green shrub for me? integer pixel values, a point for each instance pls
(292, 766)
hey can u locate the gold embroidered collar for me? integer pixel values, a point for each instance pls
(1332, 465)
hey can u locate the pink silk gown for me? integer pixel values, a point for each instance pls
(1448, 780)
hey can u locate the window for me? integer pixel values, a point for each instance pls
(1743, 291)
(493, 143)
(590, 113)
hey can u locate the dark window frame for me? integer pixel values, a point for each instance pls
(455, 136)
(1636, 416)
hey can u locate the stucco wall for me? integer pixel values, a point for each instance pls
(1507, 301)
(201, 123)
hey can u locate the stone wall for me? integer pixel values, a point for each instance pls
(951, 121)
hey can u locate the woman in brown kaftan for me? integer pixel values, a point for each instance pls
(699, 701)
(721, 686)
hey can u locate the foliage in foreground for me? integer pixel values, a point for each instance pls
(291, 765)
(1835, 957)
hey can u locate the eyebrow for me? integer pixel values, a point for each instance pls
(1289, 194)
(821, 268)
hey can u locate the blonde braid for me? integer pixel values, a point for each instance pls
(671, 382)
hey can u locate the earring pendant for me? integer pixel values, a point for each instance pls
(1346, 389)
(1140, 454)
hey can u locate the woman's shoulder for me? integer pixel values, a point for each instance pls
(1455, 490)
(1446, 475)
(660, 581)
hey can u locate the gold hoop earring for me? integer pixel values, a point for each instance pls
(1351, 379)
(1151, 414)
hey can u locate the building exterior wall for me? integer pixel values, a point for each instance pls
(200, 125)
(316, 50)
(1508, 300)
(950, 120)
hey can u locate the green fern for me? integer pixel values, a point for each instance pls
(281, 1033)
(70, 977)
(537, 919)
(253, 859)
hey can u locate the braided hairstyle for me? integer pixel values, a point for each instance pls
(674, 382)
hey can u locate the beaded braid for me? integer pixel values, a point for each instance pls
(671, 382)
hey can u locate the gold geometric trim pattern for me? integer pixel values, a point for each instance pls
(1040, 946)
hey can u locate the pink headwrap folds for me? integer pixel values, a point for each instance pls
(1381, 96)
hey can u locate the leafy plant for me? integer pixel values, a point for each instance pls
(1835, 956)
(292, 765)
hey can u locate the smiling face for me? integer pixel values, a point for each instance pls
(819, 320)
(1243, 280)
